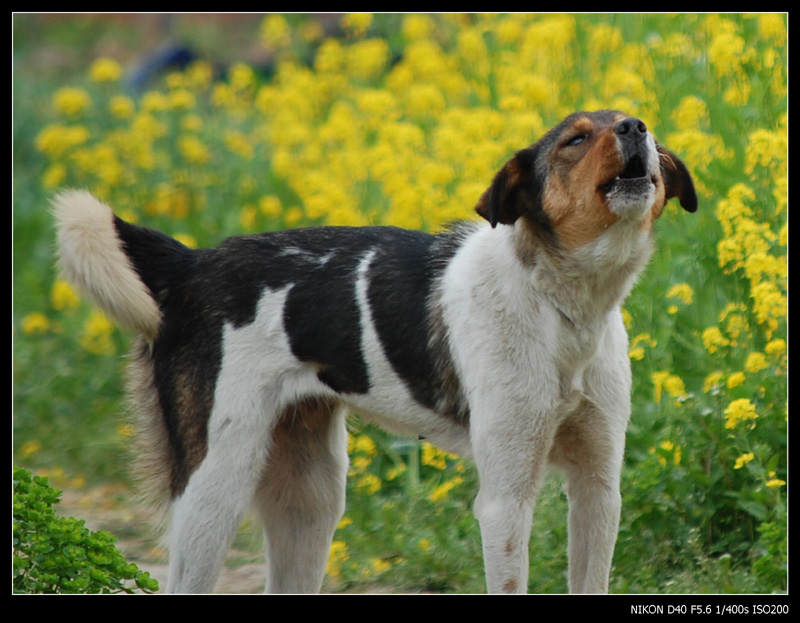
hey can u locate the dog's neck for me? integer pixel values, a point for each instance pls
(586, 283)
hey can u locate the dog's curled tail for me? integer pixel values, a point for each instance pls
(114, 264)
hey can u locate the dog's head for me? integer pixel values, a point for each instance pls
(586, 174)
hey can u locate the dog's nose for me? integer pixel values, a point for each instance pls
(630, 125)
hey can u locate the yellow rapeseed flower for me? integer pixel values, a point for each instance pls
(604, 38)
(761, 266)
(767, 149)
(727, 52)
(270, 206)
(155, 101)
(193, 149)
(275, 32)
(664, 381)
(738, 94)
(63, 295)
(247, 217)
(239, 144)
(509, 29)
(330, 57)
(365, 445)
(241, 76)
(311, 31)
(356, 24)
(181, 99)
(756, 362)
(698, 149)
(736, 379)
(682, 292)
(675, 449)
(126, 430)
(187, 240)
(432, 456)
(775, 347)
(199, 75)
(56, 140)
(771, 26)
(743, 460)
(713, 382)
(690, 114)
(627, 318)
(769, 306)
(28, 448)
(636, 353)
(367, 59)
(379, 565)
(71, 101)
(54, 175)
(145, 126)
(121, 107)
(417, 26)
(424, 101)
(739, 411)
(774, 482)
(105, 70)
(368, 484)
(443, 490)
(97, 332)
(35, 323)
(734, 320)
(713, 340)
(337, 557)
(677, 48)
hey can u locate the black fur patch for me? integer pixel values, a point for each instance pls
(403, 281)
(203, 289)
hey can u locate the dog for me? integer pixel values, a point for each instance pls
(501, 341)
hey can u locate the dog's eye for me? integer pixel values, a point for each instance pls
(575, 140)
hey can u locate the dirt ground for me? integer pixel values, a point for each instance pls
(115, 509)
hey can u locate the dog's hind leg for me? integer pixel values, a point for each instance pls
(219, 493)
(206, 516)
(301, 495)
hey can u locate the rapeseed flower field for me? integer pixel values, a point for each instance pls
(404, 120)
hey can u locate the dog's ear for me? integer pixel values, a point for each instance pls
(677, 180)
(513, 192)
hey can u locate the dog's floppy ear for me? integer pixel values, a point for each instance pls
(677, 180)
(513, 192)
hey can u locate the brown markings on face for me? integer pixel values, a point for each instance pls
(658, 206)
(584, 156)
(573, 197)
(560, 188)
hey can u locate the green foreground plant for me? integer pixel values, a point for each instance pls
(59, 554)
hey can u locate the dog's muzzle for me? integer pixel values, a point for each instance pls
(636, 182)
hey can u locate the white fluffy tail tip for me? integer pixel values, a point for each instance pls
(92, 258)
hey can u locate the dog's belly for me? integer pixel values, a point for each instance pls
(400, 414)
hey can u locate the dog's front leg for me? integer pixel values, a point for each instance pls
(505, 530)
(511, 457)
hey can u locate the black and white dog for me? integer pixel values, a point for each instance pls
(500, 341)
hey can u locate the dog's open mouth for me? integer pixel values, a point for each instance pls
(633, 179)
